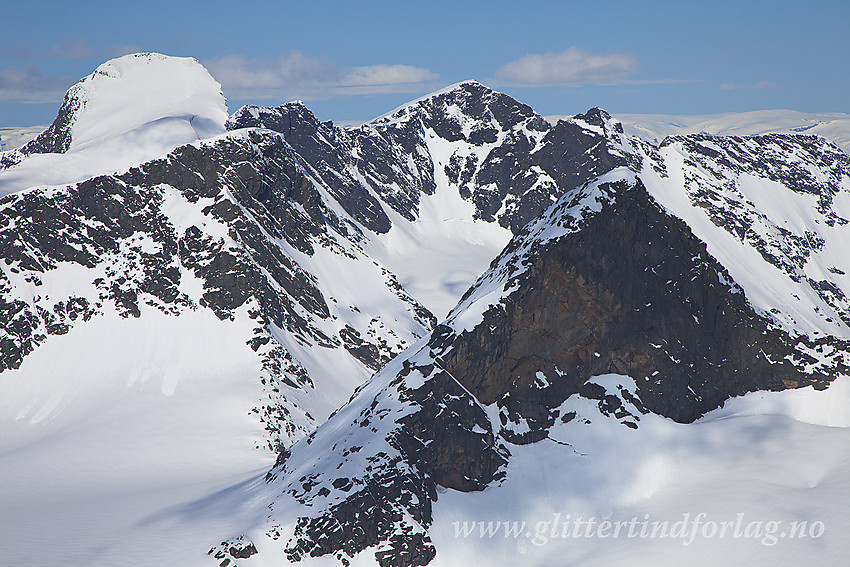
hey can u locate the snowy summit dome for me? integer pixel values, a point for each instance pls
(130, 110)
(147, 92)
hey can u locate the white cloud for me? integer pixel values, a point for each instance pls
(732, 86)
(302, 76)
(765, 85)
(739, 86)
(75, 50)
(376, 75)
(124, 49)
(660, 82)
(31, 85)
(571, 67)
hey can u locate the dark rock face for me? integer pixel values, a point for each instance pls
(229, 552)
(570, 154)
(365, 352)
(269, 194)
(438, 436)
(450, 438)
(324, 149)
(506, 159)
(635, 293)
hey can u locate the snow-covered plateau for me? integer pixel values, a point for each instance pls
(458, 333)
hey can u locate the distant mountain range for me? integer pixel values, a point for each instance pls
(248, 338)
(834, 126)
(12, 137)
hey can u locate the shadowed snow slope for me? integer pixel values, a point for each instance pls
(699, 270)
(187, 316)
(130, 110)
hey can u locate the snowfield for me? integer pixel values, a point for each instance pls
(131, 441)
(763, 464)
(834, 126)
(105, 430)
(151, 496)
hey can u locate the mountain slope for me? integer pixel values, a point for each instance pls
(609, 307)
(168, 322)
(442, 164)
(130, 110)
(785, 199)
(231, 238)
(834, 126)
(105, 282)
(257, 218)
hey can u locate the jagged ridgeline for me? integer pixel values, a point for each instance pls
(285, 224)
(669, 273)
(583, 265)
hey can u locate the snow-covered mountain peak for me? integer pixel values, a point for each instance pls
(129, 110)
(599, 121)
(834, 126)
(138, 91)
(465, 103)
(232, 294)
(462, 87)
(279, 118)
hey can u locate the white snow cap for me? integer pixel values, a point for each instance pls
(129, 111)
(140, 90)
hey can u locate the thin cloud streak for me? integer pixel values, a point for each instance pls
(75, 50)
(573, 67)
(660, 82)
(83, 50)
(19, 52)
(298, 75)
(29, 85)
(765, 85)
(742, 86)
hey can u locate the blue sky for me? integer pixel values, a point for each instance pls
(356, 60)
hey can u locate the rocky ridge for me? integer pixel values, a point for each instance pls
(278, 199)
(620, 264)
(608, 281)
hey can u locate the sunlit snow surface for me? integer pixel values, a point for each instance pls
(150, 497)
(443, 241)
(135, 108)
(104, 464)
(834, 126)
(765, 464)
(769, 457)
(106, 429)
